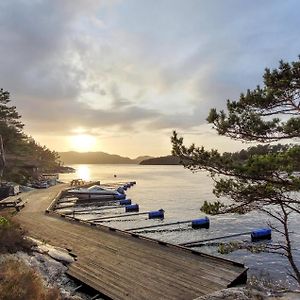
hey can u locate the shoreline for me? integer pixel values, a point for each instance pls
(226, 291)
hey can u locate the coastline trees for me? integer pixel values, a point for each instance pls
(268, 181)
(17, 146)
(10, 125)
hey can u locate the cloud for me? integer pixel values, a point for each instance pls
(118, 101)
(138, 66)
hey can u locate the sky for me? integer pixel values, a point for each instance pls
(120, 75)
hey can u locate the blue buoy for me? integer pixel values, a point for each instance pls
(132, 207)
(156, 214)
(125, 202)
(119, 196)
(261, 234)
(120, 190)
(200, 223)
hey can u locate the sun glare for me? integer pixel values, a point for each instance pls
(83, 142)
(83, 172)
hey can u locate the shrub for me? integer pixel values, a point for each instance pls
(3, 222)
(212, 208)
(19, 282)
(12, 237)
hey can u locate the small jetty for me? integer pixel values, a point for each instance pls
(126, 265)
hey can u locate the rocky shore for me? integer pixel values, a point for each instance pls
(249, 293)
(50, 264)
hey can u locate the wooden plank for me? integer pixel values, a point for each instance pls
(180, 281)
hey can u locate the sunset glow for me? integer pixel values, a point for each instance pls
(83, 172)
(82, 142)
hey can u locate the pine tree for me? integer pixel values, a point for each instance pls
(10, 125)
(266, 181)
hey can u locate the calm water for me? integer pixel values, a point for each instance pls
(181, 194)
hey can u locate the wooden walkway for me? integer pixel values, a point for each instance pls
(122, 265)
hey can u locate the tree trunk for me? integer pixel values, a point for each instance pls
(2, 158)
(289, 252)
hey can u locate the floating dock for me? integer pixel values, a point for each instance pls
(125, 265)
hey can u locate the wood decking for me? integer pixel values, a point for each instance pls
(13, 202)
(123, 265)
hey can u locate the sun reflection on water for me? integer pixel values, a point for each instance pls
(83, 172)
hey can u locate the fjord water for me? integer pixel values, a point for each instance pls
(181, 193)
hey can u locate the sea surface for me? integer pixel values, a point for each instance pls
(181, 193)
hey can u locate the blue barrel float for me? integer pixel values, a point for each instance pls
(200, 223)
(261, 234)
(156, 214)
(120, 190)
(125, 202)
(119, 196)
(131, 208)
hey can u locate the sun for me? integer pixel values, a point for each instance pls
(83, 172)
(83, 142)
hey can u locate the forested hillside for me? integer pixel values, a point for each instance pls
(163, 160)
(20, 153)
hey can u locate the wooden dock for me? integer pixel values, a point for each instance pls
(124, 265)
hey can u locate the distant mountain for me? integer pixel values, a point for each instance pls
(141, 158)
(73, 157)
(163, 160)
